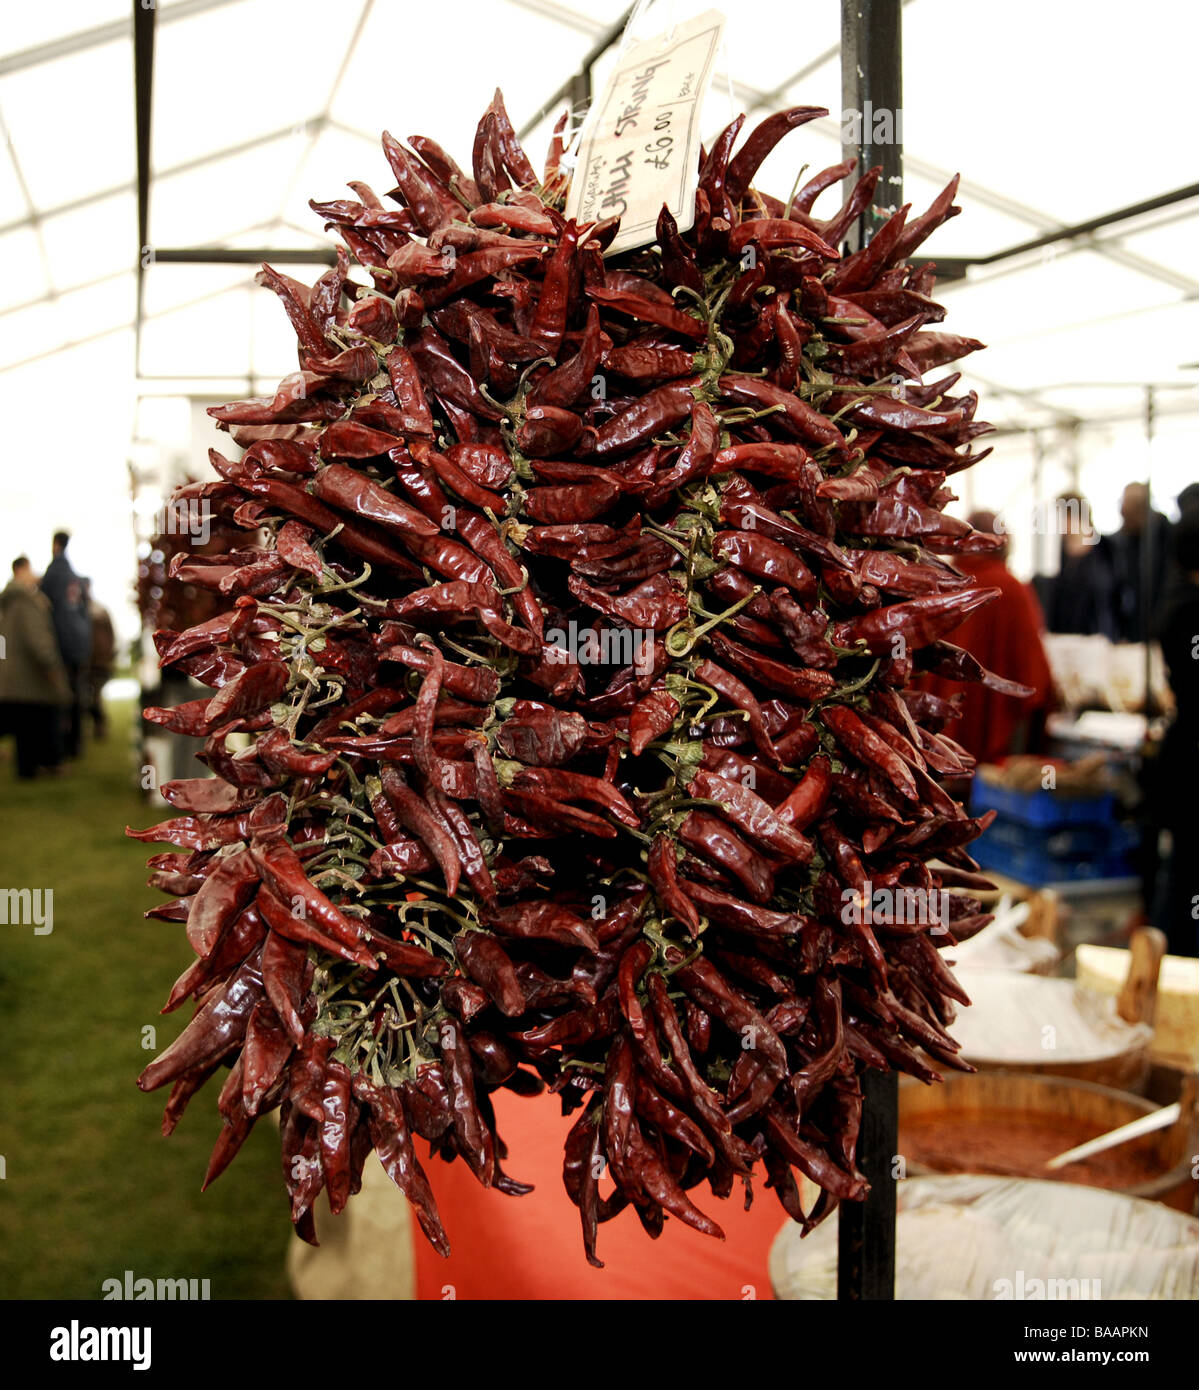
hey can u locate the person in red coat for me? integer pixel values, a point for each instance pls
(1005, 636)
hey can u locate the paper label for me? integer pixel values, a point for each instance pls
(641, 141)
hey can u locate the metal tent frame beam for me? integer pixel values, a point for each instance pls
(955, 267)
(99, 35)
(184, 167)
(143, 45)
(239, 255)
(576, 90)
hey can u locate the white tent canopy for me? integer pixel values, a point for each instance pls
(1053, 114)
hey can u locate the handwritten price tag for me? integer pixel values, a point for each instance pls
(640, 146)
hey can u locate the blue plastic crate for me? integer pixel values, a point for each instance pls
(1041, 808)
(1057, 842)
(1040, 858)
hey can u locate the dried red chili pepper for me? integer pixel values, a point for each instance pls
(488, 964)
(651, 716)
(393, 1143)
(217, 1027)
(296, 927)
(474, 1137)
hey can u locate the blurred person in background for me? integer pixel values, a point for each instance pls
(59, 574)
(100, 664)
(1005, 635)
(1130, 605)
(33, 681)
(1076, 598)
(1174, 791)
(73, 628)
(1188, 497)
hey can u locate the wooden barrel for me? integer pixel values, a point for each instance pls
(1046, 1027)
(1176, 1019)
(1054, 1027)
(1008, 1123)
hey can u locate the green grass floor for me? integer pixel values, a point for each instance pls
(90, 1187)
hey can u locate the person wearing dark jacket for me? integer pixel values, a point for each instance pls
(1174, 792)
(1076, 598)
(33, 683)
(1122, 559)
(100, 662)
(73, 629)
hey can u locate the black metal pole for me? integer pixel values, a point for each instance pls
(872, 130)
(579, 95)
(1149, 559)
(872, 102)
(866, 1230)
(144, 14)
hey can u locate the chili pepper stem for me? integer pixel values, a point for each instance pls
(854, 686)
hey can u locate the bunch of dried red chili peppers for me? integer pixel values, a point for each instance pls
(562, 703)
